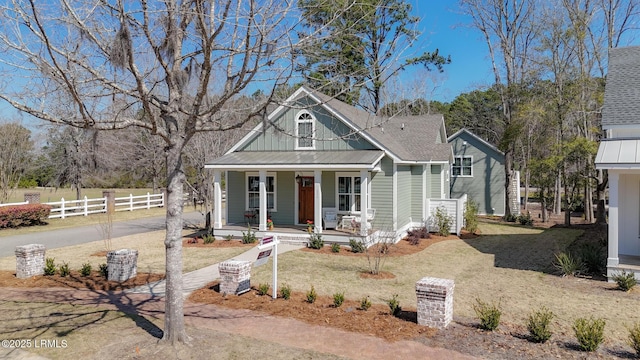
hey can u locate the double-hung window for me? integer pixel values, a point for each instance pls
(348, 193)
(462, 166)
(304, 131)
(253, 192)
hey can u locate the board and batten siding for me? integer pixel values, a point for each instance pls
(236, 196)
(628, 214)
(404, 195)
(382, 194)
(435, 183)
(326, 127)
(416, 192)
(329, 190)
(486, 186)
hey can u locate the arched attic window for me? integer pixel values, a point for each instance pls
(305, 127)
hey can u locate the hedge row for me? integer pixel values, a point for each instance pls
(23, 215)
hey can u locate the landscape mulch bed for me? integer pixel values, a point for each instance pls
(219, 243)
(95, 281)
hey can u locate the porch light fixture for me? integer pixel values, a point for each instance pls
(298, 179)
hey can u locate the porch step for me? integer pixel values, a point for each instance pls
(293, 239)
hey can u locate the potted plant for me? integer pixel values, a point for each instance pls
(309, 226)
(269, 224)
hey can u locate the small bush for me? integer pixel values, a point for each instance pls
(625, 280)
(263, 289)
(444, 221)
(394, 305)
(525, 219)
(208, 239)
(23, 215)
(228, 237)
(338, 299)
(85, 270)
(357, 246)
(567, 264)
(285, 291)
(365, 303)
(104, 270)
(250, 236)
(488, 314)
(335, 248)
(315, 241)
(64, 269)
(471, 216)
(538, 325)
(510, 218)
(414, 236)
(312, 295)
(50, 267)
(594, 258)
(589, 333)
(634, 338)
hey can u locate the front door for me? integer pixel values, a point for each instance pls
(305, 199)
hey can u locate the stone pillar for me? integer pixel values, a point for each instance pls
(32, 197)
(111, 200)
(122, 264)
(235, 276)
(435, 302)
(29, 260)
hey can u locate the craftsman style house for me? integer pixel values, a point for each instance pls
(318, 160)
(619, 154)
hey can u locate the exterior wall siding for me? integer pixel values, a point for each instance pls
(486, 186)
(285, 195)
(434, 184)
(416, 192)
(236, 196)
(628, 213)
(382, 194)
(404, 195)
(329, 189)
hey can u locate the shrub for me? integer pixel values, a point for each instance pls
(589, 333)
(338, 299)
(634, 338)
(228, 237)
(594, 259)
(85, 270)
(525, 219)
(49, 267)
(208, 239)
(510, 218)
(538, 325)
(444, 221)
(64, 269)
(249, 237)
(488, 314)
(625, 280)
(365, 303)
(415, 235)
(567, 264)
(263, 289)
(312, 295)
(23, 215)
(357, 246)
(285, 291)
(471, 216)
(315, 241)
(335, 247)
(104, 270)
(394, 305)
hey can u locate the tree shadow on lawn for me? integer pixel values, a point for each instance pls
(534, 252)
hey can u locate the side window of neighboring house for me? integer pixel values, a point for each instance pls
(253, 192)
(462, 166)
(304, 131)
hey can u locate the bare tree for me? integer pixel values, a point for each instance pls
(16, 148)
(170, 67)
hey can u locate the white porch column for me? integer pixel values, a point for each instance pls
(263, 200)
(394, 197)
(364, 205)
(317, 200)
(217, 200)
(425, 194)
(613, 257)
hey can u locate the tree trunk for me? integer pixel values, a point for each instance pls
(543, 203)
(601, 213)
(508, 167)
(557, 202)
(174, 329)
(567, 210)
(526, 189)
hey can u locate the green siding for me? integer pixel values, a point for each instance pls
(329, 189)
(434, 182)
(382, 194)
(326, 125)
(404, 195)
(416, 193)
(486, 187)
(285, 188)
(236, 197)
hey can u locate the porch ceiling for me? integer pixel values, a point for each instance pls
(352, 159)
(618, 154)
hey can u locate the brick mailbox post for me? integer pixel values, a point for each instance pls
(29, 260)
(435, 302)
(235, 276)
(122, 264)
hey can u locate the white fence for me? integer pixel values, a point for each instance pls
(65, 208)
(453, 207)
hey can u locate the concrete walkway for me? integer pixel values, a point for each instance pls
(197, 279)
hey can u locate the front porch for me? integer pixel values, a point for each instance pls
(294, 234)
(627, 263)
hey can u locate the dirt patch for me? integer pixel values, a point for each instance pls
(401, 248)
(380, 276)
(95, 281)
(198, 242)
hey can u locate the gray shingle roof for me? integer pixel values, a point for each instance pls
(622, 91)
(410, 138)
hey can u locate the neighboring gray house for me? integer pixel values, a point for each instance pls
(316, 153)
(619, 154)
(478, 171)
